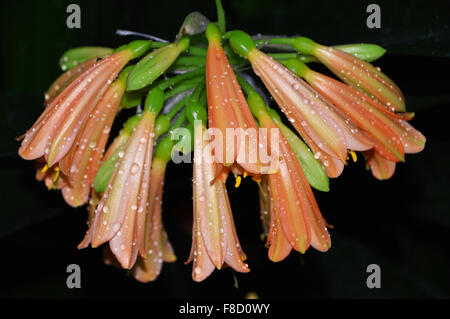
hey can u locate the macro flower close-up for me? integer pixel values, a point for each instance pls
(225, 149)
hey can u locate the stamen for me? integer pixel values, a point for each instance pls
(238, 181)
(245, 174)
(44, 169)
(353, 154)
(56, 174)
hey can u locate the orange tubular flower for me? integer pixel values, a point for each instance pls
(55, 130)
(328, 134)
(66, 78)
(393, 136)
(81, 163)
(227, 108)
(154, 245)
(214, 238)
(295, 218)
(126, 195)
(355, 72)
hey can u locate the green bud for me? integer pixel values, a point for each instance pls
(195, 112)
(75, 56)
(149, 68)
(241, 42)
(365, 51)
(314, 171)
(162, 125)
(154, 100)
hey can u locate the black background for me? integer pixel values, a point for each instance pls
(401, 224)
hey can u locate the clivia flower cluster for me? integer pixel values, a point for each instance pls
(198, 96)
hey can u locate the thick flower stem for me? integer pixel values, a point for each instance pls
(165, 84)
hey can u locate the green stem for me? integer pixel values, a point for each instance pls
(288, 41)
(282, 56)
(198, 90)
(197, 51)
(221, 22)
(178, 106)
(248, 89)
(186, 85)
(157, 45)
(164, 84)
(196, 61)
(179, 121)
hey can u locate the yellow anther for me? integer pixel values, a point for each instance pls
(56, 174)
(44, 169)
(245, 174)
(238, 181)
(353, 154)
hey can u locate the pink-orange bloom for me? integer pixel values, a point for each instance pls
(153, 244)
(327, 132)
(214, 238)
(228, 109)
(381, 168)
(355, 72)
(126, 196)
(393, 136)
(295, 218)
(53, 134)
(65, 79)
(81, 163)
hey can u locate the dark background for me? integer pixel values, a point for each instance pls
(401, 224)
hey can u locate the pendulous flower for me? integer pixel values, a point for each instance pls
(327, 132)
(214, 238)
(295, 218)
(81, 163)
(55, 131)
(355, 72)
(393, 136)
(228, 110)
(126, 195)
